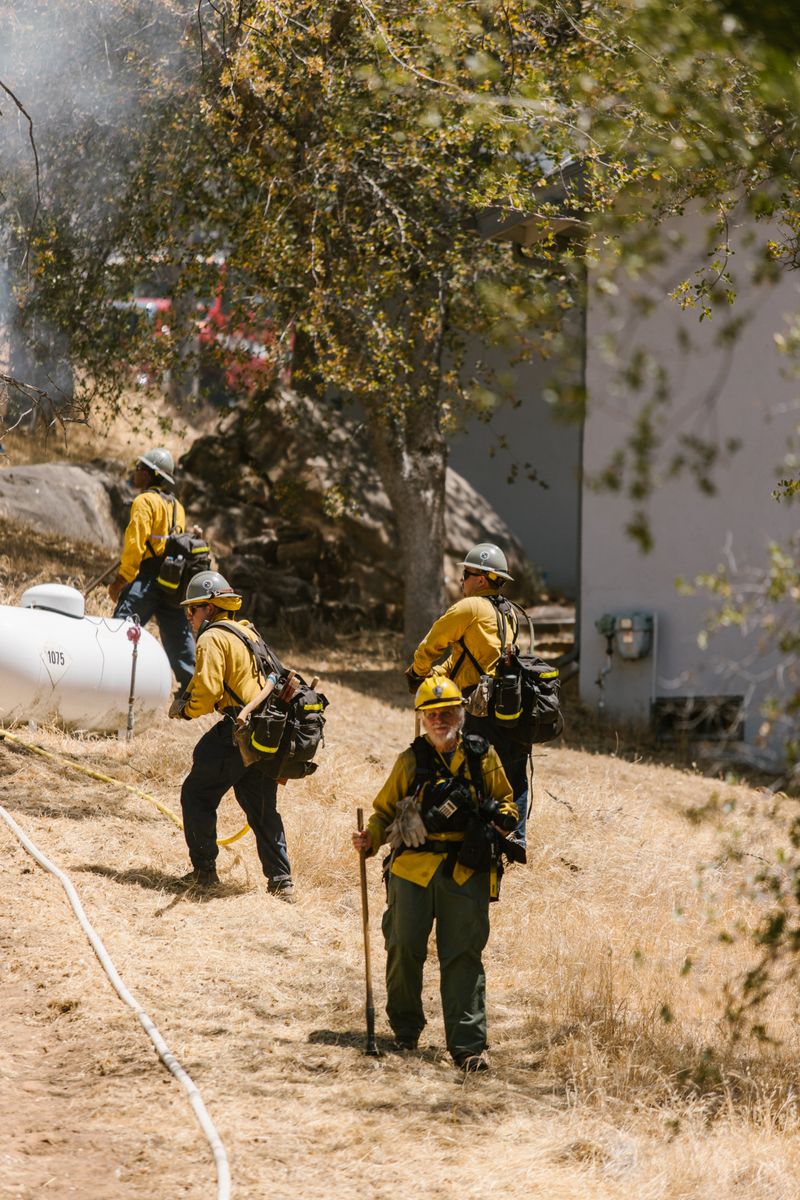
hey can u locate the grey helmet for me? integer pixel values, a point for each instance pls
(209, 587)
(489, 560)
(160, 461)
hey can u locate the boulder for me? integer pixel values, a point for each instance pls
(76, 501)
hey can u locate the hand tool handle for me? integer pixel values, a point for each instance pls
(372, 1049)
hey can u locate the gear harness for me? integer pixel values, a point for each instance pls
(500, 605)
(431, 769)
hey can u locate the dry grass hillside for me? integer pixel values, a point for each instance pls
(137, 421)
(612, 1073)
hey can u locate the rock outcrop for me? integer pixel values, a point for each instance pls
(294, 510)
(301, 524)
(80, 502)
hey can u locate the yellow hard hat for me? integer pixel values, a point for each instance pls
(437, 692)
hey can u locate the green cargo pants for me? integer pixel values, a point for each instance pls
(462, 930)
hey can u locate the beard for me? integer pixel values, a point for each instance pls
(444, 740)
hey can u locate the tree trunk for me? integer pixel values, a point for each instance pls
(411, 458)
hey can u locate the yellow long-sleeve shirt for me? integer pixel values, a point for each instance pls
(420, 866)
(225, 673)
(475, 620)
(150, 521)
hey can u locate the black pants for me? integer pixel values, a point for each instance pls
(144, 599)
(216, 767)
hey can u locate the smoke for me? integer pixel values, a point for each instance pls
(85, 73)
(90, 74)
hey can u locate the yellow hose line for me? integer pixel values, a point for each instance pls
(67, 762)
(235, 837)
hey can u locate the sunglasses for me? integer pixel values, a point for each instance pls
(472, 575)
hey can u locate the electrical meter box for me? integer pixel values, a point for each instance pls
(630, 633)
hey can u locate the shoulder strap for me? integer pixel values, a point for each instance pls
(259, 649)
(521, 610)
(474, 761)
(425, 762)
(501, 622)
(174, 524)
(465, 653)
(504, 608)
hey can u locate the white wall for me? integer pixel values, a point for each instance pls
(755, 401)
(546, 520)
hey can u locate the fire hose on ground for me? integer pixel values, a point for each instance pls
(162, 1049)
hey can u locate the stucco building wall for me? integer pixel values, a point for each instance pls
(545, 519)
(738, 390)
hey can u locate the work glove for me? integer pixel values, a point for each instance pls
(413, 680)
(407, 828)
(176, 708)
(241, 738)
(115, 588)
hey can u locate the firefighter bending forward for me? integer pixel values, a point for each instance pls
(134, 591)
(439, 810)
(226, 678)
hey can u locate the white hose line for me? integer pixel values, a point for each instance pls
(163, 1050)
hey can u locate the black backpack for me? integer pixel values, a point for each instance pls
(482, 844)
(285, 734)
(184, 557)
(525, 702)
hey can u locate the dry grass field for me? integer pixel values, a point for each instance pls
(612, 1073)
(137, 421)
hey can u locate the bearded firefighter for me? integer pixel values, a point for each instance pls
(439, 811)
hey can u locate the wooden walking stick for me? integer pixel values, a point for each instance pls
(372, 1049)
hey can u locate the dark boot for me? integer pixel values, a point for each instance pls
(200, 877)
(471, 1064)
(282, 889)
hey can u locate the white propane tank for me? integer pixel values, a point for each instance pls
(57, 664)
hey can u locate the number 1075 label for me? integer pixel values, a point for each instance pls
(56, 661)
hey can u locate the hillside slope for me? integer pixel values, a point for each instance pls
(611, 1077)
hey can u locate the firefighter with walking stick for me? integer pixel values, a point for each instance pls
(440, 811)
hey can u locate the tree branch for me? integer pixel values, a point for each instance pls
(29, 119)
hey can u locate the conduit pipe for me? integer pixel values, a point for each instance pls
(164, 1053)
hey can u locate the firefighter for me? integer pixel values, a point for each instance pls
(154, 513)
(226, 678)
(469, 629)
(439, 810)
